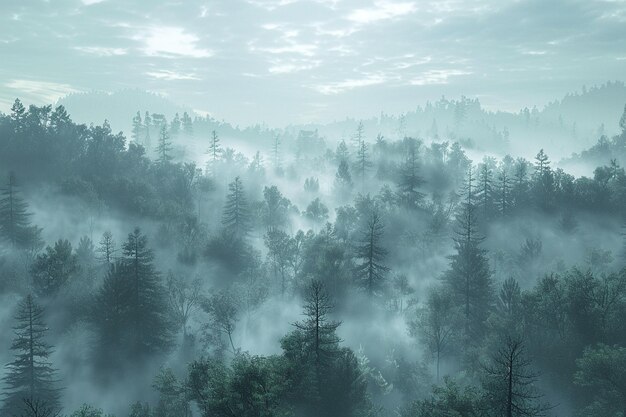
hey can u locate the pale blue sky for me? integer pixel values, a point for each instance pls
(292, 61)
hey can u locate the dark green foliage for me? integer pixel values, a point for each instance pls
(601, 370)
(371, 271)
(30, 381)
(447, 400)
(53, 269)
(15, 225)
(409, 180)
(131, 312)
(236, 217)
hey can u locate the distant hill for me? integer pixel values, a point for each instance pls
(118, 107)
(562, 127)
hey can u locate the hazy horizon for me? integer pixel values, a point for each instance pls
(290, 61)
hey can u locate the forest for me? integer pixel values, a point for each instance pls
(181, 270)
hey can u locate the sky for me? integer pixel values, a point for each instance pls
(298, 61)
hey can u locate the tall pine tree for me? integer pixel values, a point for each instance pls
(371, 271)
(30, 378)
(15, 225)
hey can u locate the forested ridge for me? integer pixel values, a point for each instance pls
(369, 275)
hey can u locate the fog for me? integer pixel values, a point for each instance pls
(214, 220)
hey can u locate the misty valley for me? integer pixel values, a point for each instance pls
(440, 262)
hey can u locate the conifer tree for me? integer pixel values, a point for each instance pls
(214, 152)
(149, 315)
(15, 226)
(164, 148)
(137, 128)
(187, 124)
(30, 378)
(370, 271)
(469, 276)
(410, 180)
(236, 218)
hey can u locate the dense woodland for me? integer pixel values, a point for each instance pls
(371, 275)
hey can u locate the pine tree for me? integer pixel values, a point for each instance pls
(149, 316)
(214, 152)
(622, 121)
(147, 122)
(187, 124)
(469, 276)
(106, 249)
(18, 116)
(137, 128)
(30, 378)
(485, 192)
(370, 272)
(343, 179)
(409, 180)
(276, 153)
(164, 148)
(318, 331)
(15, 226)
(342, 153)
(358, 136)
(509, 383)
(504, 191)
(543, 181)
(236, 218)
(362, 164)
(175, 126)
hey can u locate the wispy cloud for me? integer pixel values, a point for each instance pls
(171, 75)
(350, 84)
(382, 10)
(101, 51)
(40, 91)
(433, 77)
(171, 42)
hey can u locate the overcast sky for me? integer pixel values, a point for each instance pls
(288, 61)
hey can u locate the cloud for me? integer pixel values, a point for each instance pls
(433, 77)
(350, 84)
(171, 75)
(40, 91)
(383, 10)
(171, 42)
(90, 2)
(101, 51)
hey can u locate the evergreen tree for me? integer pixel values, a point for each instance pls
(342, 153)
(164, 148)
(622, 121)
(214, 152)
(509, 383)
(18, 116)
(362, 164)
(410, 180)
(469, 277)
(318, 331)
(187, 124)
(106, 249)
(370, 271)
(149, 315)
(30, 378)
(131, 311)
(54, 268)
(504, 191)
(175, 126)
(543, 181)
(15, 226)
(358, 136)
(147, 123)
(343, 179)
(276, 153)
(236, 218)
(485, 191)
(137, 129)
